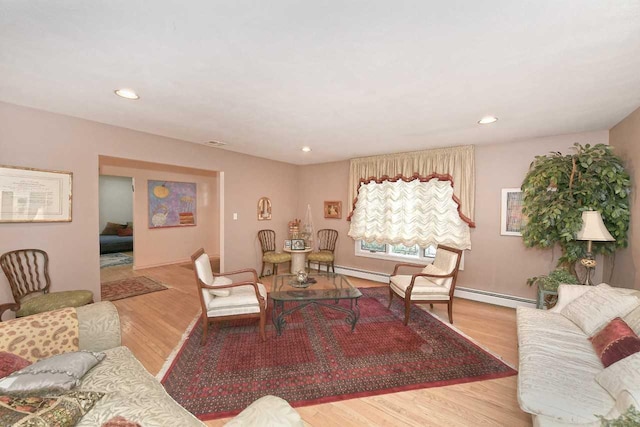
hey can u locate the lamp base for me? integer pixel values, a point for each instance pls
(590, 264)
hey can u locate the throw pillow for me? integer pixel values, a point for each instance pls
(620, 376)
(615, 342)
(597, 307)
(56, 374)
(60, 411)
(120, 422)
(125, 232)
(10, 363)
(220, 281)
(111, 229)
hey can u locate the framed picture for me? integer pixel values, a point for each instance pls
(264, 209)
(297, 245)
(34, 195)
(287, 244)
(511, 217)
(171, 204)
(333, 210)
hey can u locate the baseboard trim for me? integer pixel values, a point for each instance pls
(162, 264)
(494, 298)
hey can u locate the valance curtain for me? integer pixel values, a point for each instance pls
(458, 163)
(409, 213)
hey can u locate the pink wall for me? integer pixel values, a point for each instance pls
(625, 138)
(38, 139)
(496, 263)
(161, 246)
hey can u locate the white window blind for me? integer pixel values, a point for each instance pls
(409, 213)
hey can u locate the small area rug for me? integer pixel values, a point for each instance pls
(129, 287)
(110, 260)
(318, 359)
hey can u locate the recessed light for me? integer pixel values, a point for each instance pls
(306, 149)
(127, 93)
(486, 120)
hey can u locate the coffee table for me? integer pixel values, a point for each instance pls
(328, 290)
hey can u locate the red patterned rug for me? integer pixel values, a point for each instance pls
(129, 287)
(318, 359)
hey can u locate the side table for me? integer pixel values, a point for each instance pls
(546, 298)
(298, 259)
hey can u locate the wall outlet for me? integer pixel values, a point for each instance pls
(235, 216)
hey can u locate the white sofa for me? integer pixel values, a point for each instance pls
(560, 375)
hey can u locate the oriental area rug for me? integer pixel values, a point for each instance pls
(318, 358)
(129, 287)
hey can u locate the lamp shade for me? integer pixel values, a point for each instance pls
(593, 228)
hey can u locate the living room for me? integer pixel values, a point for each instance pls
(66, 134)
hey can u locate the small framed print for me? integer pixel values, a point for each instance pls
(287, 244)
(333, 209)
(297, 245)
(511, 218)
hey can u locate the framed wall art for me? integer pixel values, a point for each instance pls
(511, 217)
(171, 204)
(333, 209)
(35, 195)
(264, 209)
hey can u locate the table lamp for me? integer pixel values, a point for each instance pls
(593, 230)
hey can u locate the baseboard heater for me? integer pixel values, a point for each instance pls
(461, 292)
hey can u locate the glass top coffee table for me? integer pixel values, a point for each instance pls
(325, 289)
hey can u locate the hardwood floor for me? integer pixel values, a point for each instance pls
(153, 324)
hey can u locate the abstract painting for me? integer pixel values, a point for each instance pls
(171, 204)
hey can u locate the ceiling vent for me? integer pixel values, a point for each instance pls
(215, 143)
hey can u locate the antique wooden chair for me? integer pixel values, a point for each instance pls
(435, 284)
(223, 299)
(269, 255)
(326, 247)
(27, 271)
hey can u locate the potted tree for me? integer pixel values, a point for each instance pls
(558, 188)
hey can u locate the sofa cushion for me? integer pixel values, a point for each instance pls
(615, 342)
(241, 301)
(43, 411)
(267, 411)
(557, 369)
(633, 320)
(423, 288)
(622, 375)
(53, 301)
(597, 307)
(131, 392)
(111, 229)
(55, 374)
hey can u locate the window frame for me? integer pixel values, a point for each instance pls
(392, 257)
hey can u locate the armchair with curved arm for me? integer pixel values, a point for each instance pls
(435, 284)
(222, 298)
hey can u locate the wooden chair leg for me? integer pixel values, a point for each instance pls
(390, 296)
(275, 269)
(262, 271)
(205, 328)
(450, 310)
(262, 325)
(407, 310)
(333, 267)
(431, 306)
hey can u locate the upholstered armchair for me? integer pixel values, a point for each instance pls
(326, 247)
(434, 284)
(269, 254)
(27, 271)
(223, 299)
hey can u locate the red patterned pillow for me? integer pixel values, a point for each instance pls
(615, 342)
(10, 363)
(125, 232)
(120, 422)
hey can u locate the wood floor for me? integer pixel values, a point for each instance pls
(153, 324)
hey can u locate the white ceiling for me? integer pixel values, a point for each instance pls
(348, 78)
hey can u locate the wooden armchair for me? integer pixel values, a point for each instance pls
(435, 284)
(223, 299)
(27, 271)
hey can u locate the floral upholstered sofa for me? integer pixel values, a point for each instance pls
(121, 389)
(581, 359)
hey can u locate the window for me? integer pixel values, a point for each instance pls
(395, 252)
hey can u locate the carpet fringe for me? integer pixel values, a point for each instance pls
(446, 323)
(169, 360)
